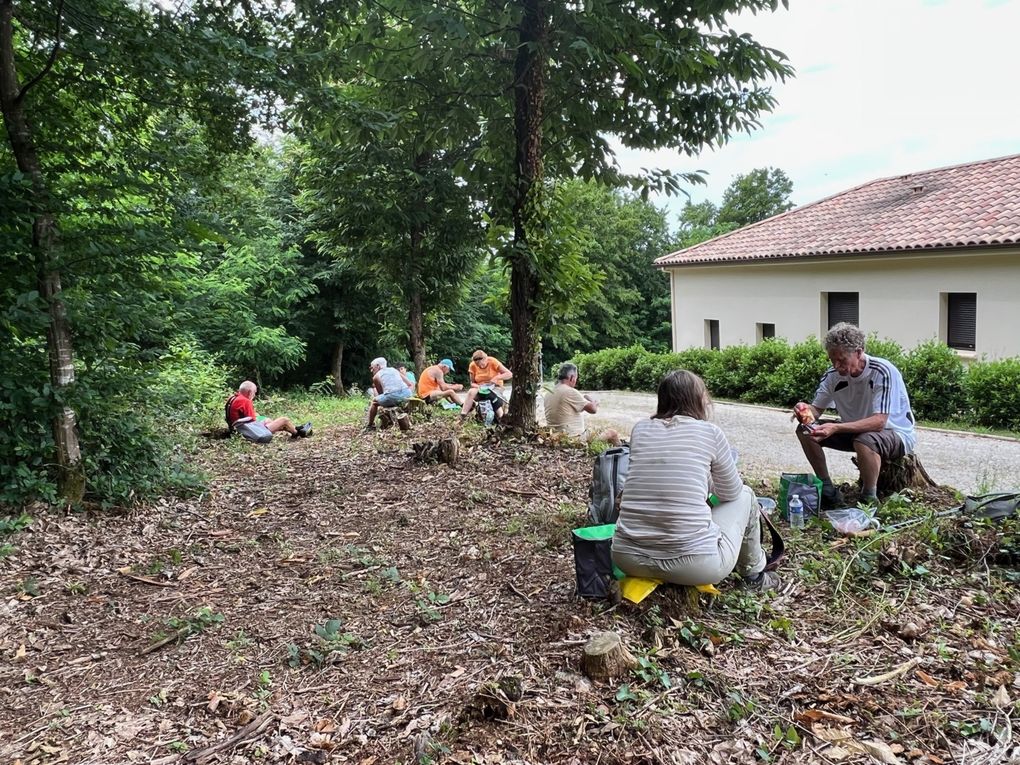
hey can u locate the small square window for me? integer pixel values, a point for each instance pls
(961, 320)
(843, 306)
(712, 334)
(765, 331)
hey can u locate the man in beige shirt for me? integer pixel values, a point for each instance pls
(565, 408)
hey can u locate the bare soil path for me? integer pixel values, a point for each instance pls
(764, 438)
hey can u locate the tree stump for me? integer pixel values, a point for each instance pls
(419, 409)
(905, 473)
(388, 416)
(444, 450)
(605, 657)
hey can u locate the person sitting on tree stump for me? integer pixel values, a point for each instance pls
(487, 373)
(240, 406)
(392, 388)
(432, 386)
(667, 529)
(565, 408)
(876, 422)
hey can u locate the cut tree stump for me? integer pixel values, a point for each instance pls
(444, 450)
(605, 657)
(905, 473)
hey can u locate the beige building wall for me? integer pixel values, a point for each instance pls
(901, 297)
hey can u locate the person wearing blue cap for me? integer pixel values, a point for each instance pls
(432, 386)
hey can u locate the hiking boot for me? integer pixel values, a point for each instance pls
(766, 580)
(869, 502)
(832, 497)
(305, 430)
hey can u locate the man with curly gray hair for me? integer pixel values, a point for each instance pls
(875, 418)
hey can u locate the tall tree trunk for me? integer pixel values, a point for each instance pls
(417, 331)
(337, 367)
(71, 475)
(529, 96)
(416, 314)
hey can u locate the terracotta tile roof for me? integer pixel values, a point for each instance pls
(966, 206)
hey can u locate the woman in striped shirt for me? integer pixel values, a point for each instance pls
(667, 530)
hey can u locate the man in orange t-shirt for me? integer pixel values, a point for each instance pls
(487, 372)
(432, 386)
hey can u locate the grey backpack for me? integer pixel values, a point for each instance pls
(996, 506)
(607, 477)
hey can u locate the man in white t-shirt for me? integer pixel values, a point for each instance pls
(876, 422)
(565, 407)
(391, 386)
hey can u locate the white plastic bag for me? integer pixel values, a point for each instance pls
(849, 520)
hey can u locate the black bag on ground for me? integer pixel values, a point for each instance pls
(607, 478)
(593, 560)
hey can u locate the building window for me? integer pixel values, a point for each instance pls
(765, 331)
(961, 320)
(712, 334)
(843, 306)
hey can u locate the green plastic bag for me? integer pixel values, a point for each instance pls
(807, 486)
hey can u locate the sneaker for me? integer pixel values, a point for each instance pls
(369, 428)
(766, 580)
(832, 497)
(305, 430)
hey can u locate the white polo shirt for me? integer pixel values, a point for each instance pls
(879, 389)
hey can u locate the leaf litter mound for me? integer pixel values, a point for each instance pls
(332, 600)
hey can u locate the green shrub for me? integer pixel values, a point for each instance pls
(695, 360)
(797, 377)
(726, 374)
(645, 376)
(134, 416)
(993, 392)
(26, 451)
(760, 364)
(589, 370)
(886, 349)
(934, 377)
(618, 367)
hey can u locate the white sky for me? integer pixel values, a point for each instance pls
(882, 87)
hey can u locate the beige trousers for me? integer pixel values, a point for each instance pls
(739, 547)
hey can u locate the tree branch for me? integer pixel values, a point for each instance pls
(49, 62)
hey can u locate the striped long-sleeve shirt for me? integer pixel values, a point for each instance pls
(664, 513)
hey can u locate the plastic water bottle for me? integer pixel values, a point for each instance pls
(796, 512)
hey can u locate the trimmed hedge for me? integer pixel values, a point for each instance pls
(773, 372)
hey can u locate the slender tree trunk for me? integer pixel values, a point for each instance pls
(417, 332)
(71, 470)
(337, 367)
(529, 96)
(416, 313)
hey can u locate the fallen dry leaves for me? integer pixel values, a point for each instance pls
(374, 610)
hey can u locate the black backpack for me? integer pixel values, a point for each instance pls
(226, 412)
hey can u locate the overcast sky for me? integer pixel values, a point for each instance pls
(882, 87)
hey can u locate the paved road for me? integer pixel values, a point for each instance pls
(764, 438)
